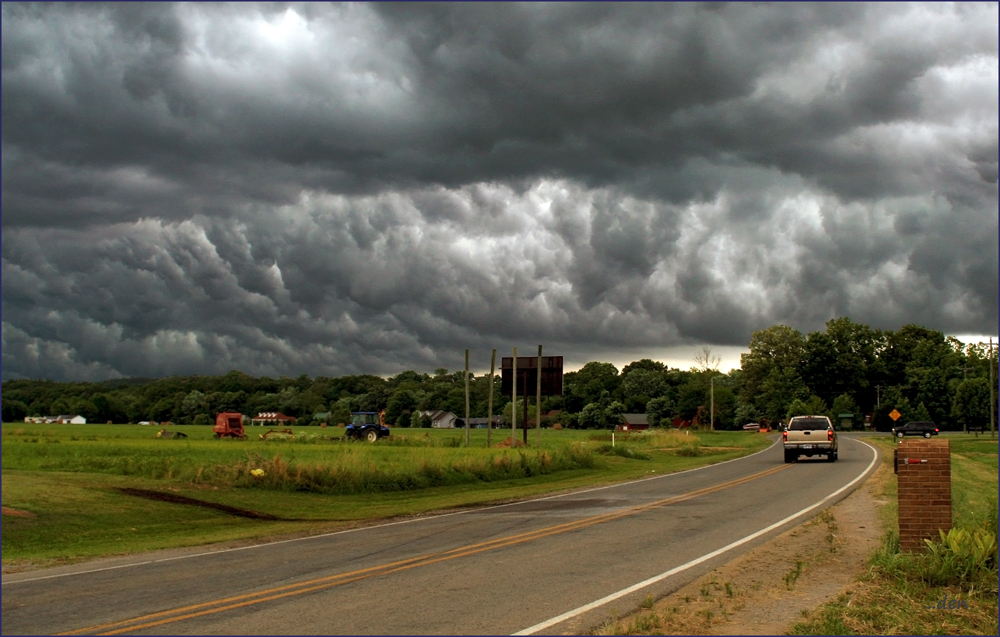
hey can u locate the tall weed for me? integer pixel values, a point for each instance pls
(358, 473)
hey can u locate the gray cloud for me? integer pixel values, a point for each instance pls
(352, 188)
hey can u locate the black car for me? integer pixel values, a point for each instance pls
(923, 428)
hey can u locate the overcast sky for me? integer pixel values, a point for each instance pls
(339, 189)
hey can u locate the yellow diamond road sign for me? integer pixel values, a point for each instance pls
(895, 415)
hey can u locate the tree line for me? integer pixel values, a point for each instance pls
(847, 368)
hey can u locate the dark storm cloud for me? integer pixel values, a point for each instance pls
(365, 188)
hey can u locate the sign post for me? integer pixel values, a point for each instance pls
(489, 409)
(466, 398)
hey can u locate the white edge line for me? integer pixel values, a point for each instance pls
(377, 526)
(683, 567)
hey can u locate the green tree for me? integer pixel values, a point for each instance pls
(613, 413)
(921, 413)
(400, 401)
(746, 414)
(587, 385)
(844, 404)
(340, 412)
(725, 406)
(811, 406)
(842, 359)
(660, 411)
(646, 364)
(778, 347)
(103, 407)
(14, 410)
(643, 382)
(971, 407)
(892, 398)
(779, 389)
(508, 409)
(929, 386)
(592, 417)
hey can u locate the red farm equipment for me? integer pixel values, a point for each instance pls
(229, 425)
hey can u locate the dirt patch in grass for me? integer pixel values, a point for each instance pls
(160, 496)
(17, 513)
(767, 590)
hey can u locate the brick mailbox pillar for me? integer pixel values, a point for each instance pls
(924, 468)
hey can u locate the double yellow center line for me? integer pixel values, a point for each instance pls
(309, 586)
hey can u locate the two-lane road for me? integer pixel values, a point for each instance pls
(549, 565)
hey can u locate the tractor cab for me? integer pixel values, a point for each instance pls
(362, 418)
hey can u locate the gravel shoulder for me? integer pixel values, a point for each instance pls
(770, 588)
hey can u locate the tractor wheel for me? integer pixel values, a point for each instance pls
(371, 435)
(216, 436)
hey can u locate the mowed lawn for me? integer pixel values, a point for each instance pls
(63, 485)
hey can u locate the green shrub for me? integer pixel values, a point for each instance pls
(688, 450)
(622, 451)
(959, 557)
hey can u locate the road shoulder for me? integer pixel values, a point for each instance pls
(770, 588)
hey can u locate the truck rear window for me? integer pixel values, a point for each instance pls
(808, 424)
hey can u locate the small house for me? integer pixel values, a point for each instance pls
(633, 422)
(483, 423)
(441, 419)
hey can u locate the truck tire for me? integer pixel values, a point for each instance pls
(831, 457)
(371, 435)
(790, 457)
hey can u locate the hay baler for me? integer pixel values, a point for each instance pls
(228, 425)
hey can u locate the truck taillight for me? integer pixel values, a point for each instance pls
(784, 436)
(829, 435)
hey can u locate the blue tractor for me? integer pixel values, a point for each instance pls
(366, 425)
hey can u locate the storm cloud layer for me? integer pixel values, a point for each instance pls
(335, 189)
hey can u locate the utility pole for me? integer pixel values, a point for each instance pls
(878, 396)
(466, 398)
(513, 401)
(489, 408)
(538, 399)
(993, 399)
(712, 405)
(524, 422)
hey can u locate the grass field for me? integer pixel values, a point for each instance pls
(901, 593)
(70, 490)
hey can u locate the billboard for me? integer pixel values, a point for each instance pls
(527, 375)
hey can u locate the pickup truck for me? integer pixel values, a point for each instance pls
(809, 436)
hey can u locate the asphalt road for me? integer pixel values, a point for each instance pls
(552, 565)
